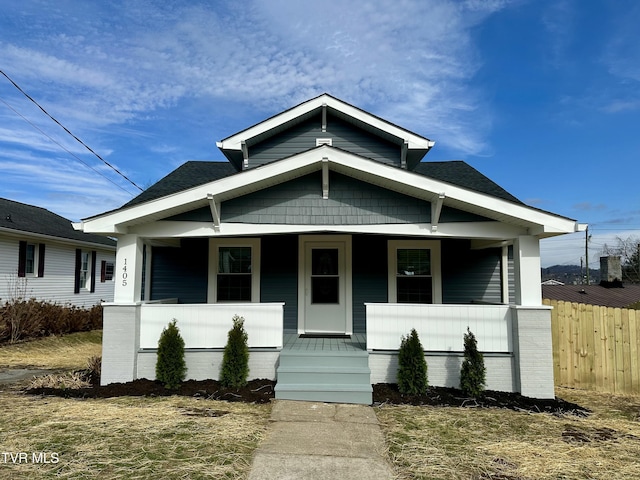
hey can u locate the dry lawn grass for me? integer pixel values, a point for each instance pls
(127, 437)
(133, 438)
(466, 443)
(55, 352)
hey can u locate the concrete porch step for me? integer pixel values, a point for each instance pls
(332, 393)
(324, 376)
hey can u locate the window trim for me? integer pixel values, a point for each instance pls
(392, 262)
(214, 248)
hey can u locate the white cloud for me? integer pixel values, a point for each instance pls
(411, 61)
(108, 69)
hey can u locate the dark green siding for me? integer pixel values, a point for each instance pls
(350, 202)
(470, 275)
(279, 275)
(345, 136)
(369, 275)
(181, 272)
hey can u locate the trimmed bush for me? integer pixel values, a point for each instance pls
(234, 370)
(472, 372)
(412, 367)
(171, 367)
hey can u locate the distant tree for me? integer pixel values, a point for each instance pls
(412, 367)
(472, 372)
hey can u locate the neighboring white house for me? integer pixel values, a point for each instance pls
(43, 257)
(327, 232)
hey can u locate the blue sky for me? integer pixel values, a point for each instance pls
(541, 96)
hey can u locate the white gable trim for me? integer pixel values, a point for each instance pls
(536, 222)
(412, 140)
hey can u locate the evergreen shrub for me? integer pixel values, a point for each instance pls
(234, 370)
(472, 372)
(171, 368)
(412, 367)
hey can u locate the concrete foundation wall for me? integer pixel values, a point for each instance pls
(444, 370)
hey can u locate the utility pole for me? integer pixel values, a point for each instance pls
(586, 251)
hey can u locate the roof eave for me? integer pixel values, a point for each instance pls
(536, 222)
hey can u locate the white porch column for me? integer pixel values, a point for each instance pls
(128, 274)
(528, 279)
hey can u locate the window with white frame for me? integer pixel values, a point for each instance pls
(414, 271)
(85, 273)
(234, 270)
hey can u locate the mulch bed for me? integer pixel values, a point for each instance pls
(262, 391)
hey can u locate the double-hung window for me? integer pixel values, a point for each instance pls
(234, 270)
(414, 271)
(30, 259)
(84, 270)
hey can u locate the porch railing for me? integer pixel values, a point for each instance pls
(441, 328)
(205, 325)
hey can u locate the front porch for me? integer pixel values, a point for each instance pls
(323, 368)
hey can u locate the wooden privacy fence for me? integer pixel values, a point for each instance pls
(595, 347)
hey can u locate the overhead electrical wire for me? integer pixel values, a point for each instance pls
(62, 146)
(67, 130)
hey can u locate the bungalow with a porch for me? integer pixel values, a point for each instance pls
(331, 237)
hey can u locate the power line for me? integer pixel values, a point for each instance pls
(62, 146)
(67, 130)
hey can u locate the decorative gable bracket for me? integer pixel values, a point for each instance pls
(215, 211)
(325, 178)
(436, 209)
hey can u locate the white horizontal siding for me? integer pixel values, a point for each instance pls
(207, 325)
(57, 284)
(441, 328)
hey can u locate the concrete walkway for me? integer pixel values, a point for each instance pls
(13, 375)
(318, 441)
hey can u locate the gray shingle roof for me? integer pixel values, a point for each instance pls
(188, 175)
(463, 175)
(194, 173)
(31, 219)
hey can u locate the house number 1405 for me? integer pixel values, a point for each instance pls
(124, 273)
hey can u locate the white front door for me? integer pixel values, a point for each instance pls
(325, 278)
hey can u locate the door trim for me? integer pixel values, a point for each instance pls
(318, 240)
